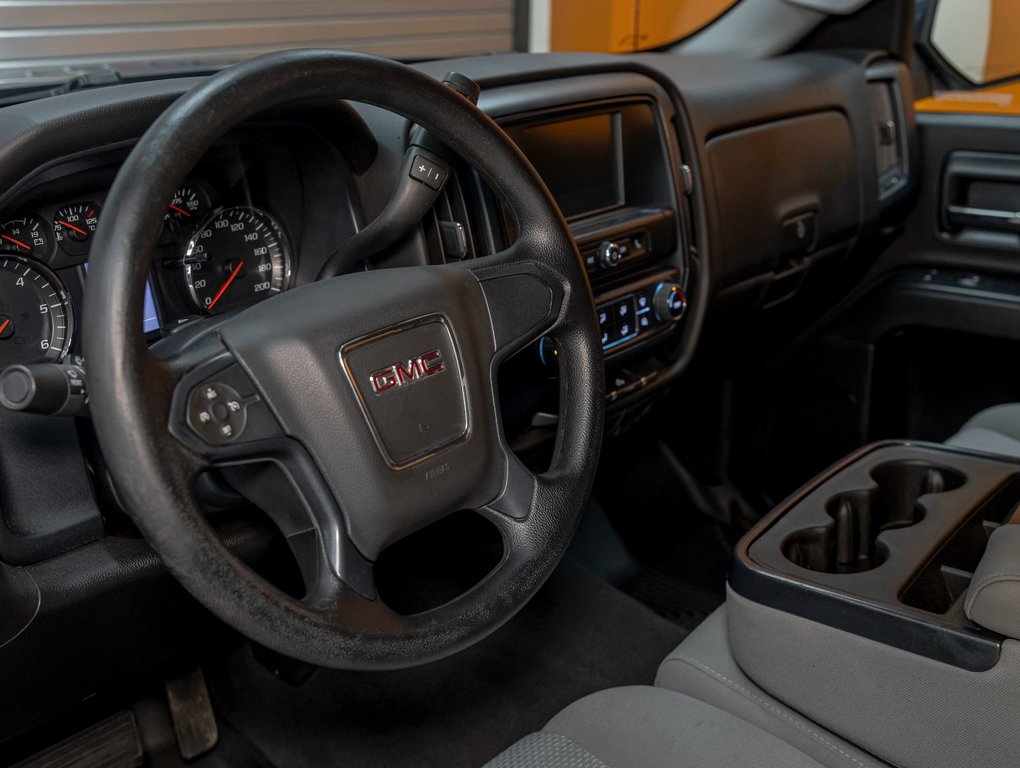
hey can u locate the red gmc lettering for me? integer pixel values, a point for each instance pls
(401, 374)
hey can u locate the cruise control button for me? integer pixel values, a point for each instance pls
(431, 174)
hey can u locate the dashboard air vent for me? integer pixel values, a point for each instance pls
(457, 227)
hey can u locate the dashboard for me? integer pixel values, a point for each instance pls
(624, 157)
(663, 166)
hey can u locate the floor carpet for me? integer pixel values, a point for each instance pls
(577, 636)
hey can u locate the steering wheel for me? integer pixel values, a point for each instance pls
(373, 394)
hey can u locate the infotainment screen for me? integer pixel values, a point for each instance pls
(579, 160)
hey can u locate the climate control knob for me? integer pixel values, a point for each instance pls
(669, 302)
(609, 254)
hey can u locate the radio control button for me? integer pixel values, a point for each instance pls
(605, 323)
(609, 254)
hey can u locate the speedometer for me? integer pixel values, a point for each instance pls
(238, 258)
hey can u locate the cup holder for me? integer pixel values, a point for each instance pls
(848, 543)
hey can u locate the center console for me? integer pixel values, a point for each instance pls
(613, 167)
(853, 603)
(885, 546)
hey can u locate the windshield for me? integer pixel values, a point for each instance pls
(42, 41)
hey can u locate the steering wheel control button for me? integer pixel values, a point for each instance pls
(431, 174)
(223, 407)
(408, 383)
(216, 412)
(669, 302)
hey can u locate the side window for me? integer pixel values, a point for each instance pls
(976, 38)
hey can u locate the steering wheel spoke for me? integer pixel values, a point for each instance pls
(220, 416)
(517, 497)
(523, 296)
(286, 485)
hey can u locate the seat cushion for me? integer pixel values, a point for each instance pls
(644, 727)
(702, 666)
(995, 430)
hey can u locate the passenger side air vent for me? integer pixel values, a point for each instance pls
(888, 130)
(458, 226)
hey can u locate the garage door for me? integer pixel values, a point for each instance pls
(33, 32)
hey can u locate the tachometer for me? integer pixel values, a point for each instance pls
(237, 259)
(35, 313)
(26, 236)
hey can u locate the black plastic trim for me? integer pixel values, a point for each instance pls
(971, 648)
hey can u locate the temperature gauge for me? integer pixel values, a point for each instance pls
(74, 225)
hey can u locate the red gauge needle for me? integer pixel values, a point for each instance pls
(18, 243)
(4, 326)
(223, 288)
(179, 210)
(79, 230)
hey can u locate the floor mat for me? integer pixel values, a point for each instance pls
(689, 582)
(577, 636)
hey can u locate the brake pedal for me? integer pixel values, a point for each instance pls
(192, 713)
(110, 743)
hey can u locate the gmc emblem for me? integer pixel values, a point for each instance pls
(402, 374)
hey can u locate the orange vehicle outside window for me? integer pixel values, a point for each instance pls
(619, 26)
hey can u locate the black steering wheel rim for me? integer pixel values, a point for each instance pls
(133, 390)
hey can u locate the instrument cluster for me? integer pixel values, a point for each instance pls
(215, 253)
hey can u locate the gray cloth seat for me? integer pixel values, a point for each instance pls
(645, 727)
(994, 430)
(703, 712)
(702, 666)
